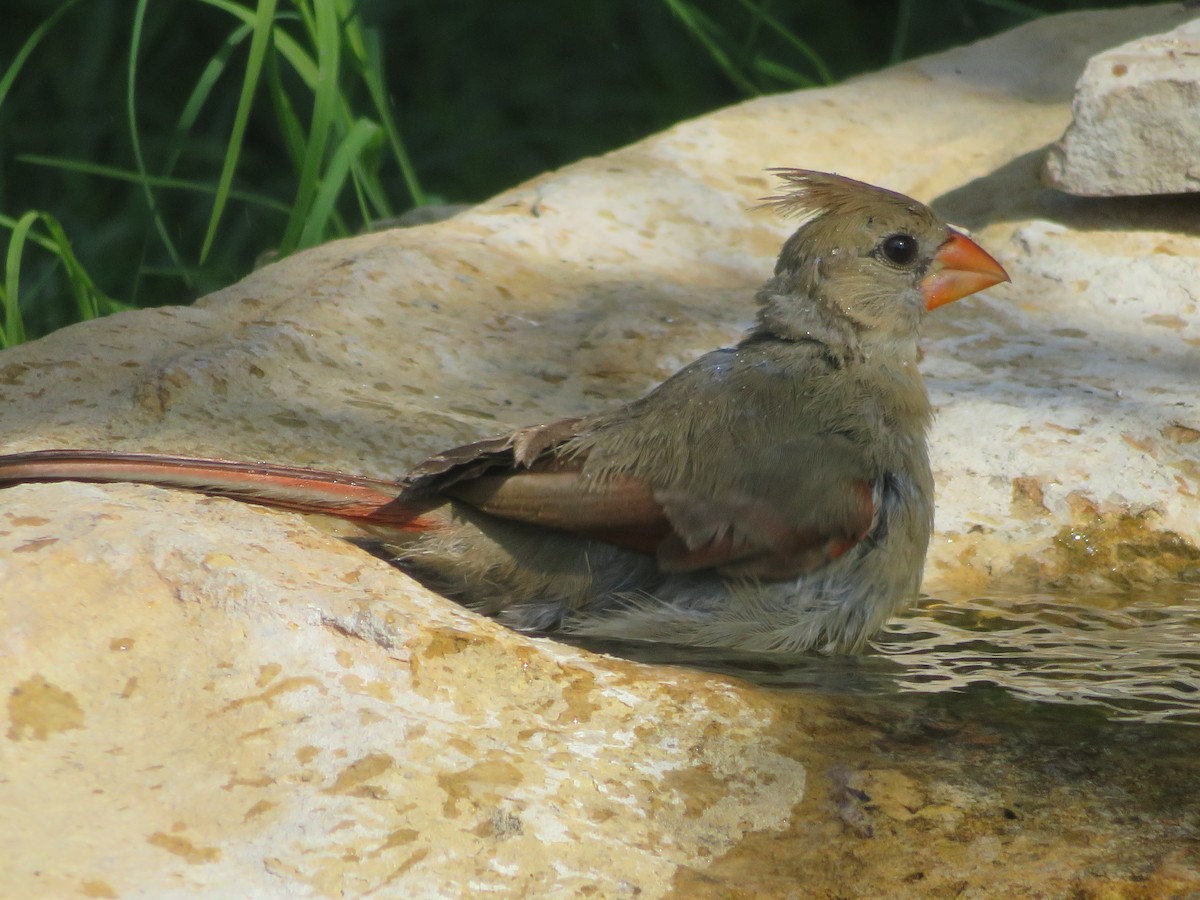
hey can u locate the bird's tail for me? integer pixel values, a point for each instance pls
(368, 501)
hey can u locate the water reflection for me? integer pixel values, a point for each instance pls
(1134, 659)
(1139, 662)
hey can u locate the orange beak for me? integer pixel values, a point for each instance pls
(960, 268)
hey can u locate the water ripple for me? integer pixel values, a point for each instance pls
(1134, 659)
(1139, 662)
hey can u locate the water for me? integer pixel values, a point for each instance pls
(1130, 658)
(1029, 746)
(1139, 661)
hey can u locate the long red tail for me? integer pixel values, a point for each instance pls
(367, 500)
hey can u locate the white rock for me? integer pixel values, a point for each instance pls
(1136, 123)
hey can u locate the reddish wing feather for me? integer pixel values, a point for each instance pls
(744, 537)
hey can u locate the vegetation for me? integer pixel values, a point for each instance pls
(151, 152)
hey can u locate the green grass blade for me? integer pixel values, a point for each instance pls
(135, 138)
(700, 28)
(332, 113)
(14, 326)
(824, 75)
(158, 181)
(353, 35)
(14, 68)
(11, 225)
(290, 128)
(5, 317)
(373, 200)
(284, 43)
(259, 42)
(904, 11)
(90, 301)
(786, 74)
(372, 75)
(361, 134)
(326, 37)
(202, 90)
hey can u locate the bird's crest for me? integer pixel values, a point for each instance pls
(816, 193)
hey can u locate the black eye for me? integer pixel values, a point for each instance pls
(900, 249)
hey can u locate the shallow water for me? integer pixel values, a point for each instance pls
(1131, 658)
(1137, 661)
(1033, 746)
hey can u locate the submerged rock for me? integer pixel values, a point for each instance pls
(203, 697)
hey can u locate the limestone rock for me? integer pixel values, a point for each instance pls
(243, 706)
(205, 698)
(1135, 128)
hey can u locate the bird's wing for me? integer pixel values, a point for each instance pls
(799, 506)
(782, 522)
(523, 477)
(794, 503)
(516, 450)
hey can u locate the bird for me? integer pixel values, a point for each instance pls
(775, 496)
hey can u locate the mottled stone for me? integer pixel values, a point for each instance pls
(1135, 127)
(240, 704)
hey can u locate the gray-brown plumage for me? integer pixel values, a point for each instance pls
(772, 496)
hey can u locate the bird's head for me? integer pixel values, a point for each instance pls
(873, 258)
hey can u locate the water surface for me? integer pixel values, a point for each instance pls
(1131, 658)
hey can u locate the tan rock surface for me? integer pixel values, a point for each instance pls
(206, 698)
(240, 700)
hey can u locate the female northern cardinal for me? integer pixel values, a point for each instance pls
(774, 496)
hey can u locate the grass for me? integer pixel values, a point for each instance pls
(152, 152)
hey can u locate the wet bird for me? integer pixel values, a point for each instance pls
(772, 496)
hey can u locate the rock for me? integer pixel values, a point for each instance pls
(244, 706)
(1135, 128)
(206, 698)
